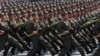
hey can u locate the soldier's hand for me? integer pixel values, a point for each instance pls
(24, 42)
(59, 35)
(97, 36)
(2, 32)
(35, 32)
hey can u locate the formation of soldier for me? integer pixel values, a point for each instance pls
(58, 27)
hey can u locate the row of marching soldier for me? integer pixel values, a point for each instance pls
(58, 27)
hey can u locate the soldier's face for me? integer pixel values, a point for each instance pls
(41, 17)
(25, 14)
(51, 14)
(36, 18)
(78, 13)
(70, 15)
(12, 16)
(44, 9)
(82, 12)
(47, 15)
(19, 16)
(59, 11)
(74, 15)
(65, 17)
(55, 14)
(4, 17)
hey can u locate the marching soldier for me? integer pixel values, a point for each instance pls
(36, 40)
(20, 35)
(3, 35)
(64, 30)
(11, 41)
(97, 32)
(47, 39)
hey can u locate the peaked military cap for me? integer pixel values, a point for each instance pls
(18, 13)
(11, 13)
(22, 12)
(34, 14)
(1, 14)
(41, 14)
(64, 13)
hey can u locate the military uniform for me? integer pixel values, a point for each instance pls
(97, 31)
(62, 27)
(36, 39)
(49, 39)
(3, 38)
(10, 40)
